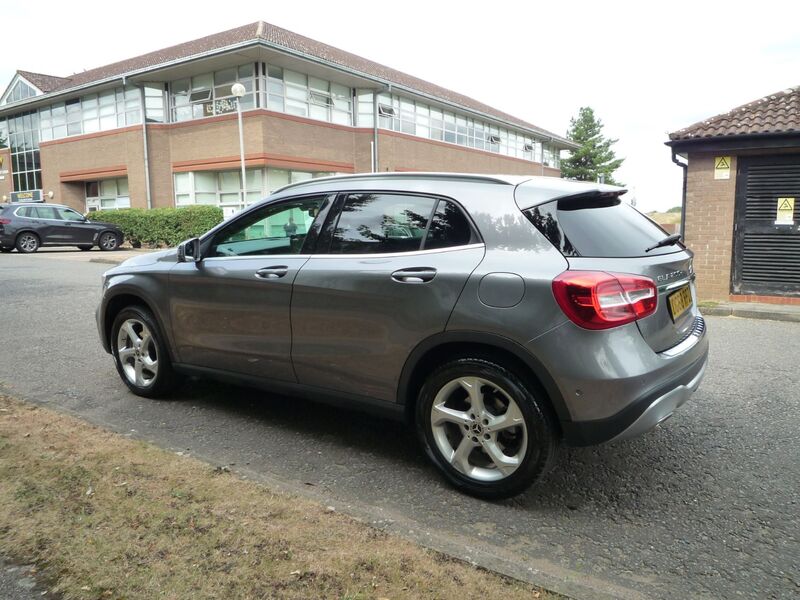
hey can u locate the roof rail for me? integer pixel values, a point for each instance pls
(464, 177)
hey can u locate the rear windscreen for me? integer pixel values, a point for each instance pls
(598, 226)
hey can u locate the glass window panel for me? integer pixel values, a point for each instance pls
(205, 181)
(59, 131)
(275, 103)
(317, 84)
(108, 187)
(297, 176)
(381, 223)
(294, 78)
(122, 186)
(318, 112)
(106, 97)
(74, 129)
(225, 76)
(203, 82)
(229, 181)
(449, 227)
(276, 178)
(205, 198)
(343, 118)
(183, 183)
(253, 179)
(295, 107)
(183, 199)
(245, 71)
(275, 72)
(297, 93)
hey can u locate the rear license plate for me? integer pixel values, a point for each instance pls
(680, 302)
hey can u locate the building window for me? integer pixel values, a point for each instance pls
(23, 140)
(308, 96)
(109, 109)
(20, 91)
(210, 94)
(223, 188)
(154, 94)
(107, 194)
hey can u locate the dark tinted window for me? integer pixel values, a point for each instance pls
(598, 227)
(449, 227)
(381, 223)
(274, 229)
(69, 215)
(45, 212)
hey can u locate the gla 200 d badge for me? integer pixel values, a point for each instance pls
(411, 293)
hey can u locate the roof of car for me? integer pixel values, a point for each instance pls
(534, 189)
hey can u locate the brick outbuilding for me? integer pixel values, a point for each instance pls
(741, 200)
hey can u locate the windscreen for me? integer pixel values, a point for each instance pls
(598, 226)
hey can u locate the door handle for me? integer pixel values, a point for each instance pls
(414, 275)
(272, 272)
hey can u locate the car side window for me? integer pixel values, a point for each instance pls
(69, 215)
(449, 227)
(381, 223)
(279, 228)
(45, 212)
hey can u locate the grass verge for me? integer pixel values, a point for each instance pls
(104, 516)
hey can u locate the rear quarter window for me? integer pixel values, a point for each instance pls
(597, 226)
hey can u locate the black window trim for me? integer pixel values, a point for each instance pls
(332, 221)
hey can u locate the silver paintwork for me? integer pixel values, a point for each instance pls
(478, 430)
(138, 353)
(341, 324)
(662, 408)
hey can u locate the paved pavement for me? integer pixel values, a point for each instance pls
(705, 507)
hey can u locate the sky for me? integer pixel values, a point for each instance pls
(645, 68)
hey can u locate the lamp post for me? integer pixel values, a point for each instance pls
(237, 89)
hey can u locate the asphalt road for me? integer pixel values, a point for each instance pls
(704, 507)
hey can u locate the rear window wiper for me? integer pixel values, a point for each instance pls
(667, 241)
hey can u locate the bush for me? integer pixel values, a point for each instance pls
(160, 226)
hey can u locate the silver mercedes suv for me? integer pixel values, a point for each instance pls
(500, 316)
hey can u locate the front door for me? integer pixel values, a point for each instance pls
(767, 226)
(386, 276)
(230, 312)
(73, 228)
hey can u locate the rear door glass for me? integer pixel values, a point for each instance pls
(599, 227)
(381, 223)
(449, 227)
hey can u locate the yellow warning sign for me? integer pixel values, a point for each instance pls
(722, 167)
(785, 213)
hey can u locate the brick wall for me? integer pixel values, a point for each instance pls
(709, 225)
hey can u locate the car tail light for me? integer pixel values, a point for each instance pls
(599, 300)
(5, 221)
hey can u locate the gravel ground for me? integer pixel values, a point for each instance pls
(704, 507)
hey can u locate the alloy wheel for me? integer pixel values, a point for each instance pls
(479, 428)
(28, 242)
(108, 241)
(137, 352)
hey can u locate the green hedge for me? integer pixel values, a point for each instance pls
(160, 226)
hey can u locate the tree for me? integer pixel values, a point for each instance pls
(595, 156)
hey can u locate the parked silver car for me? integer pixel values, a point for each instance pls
(498, 315)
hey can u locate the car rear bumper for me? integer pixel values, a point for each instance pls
(613, 385)
(642, 414)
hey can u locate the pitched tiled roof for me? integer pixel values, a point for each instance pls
(773, 114)
(262, 31)
(46, 83)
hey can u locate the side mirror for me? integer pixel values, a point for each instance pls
(189, 251)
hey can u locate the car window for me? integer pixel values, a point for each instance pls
(449, 227)
(70, 215)
(25, 211)
(274, 229)
(601, 227)
(45, 212)
(381, 223)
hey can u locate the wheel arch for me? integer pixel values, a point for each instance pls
(28, 230)
(448, 345)
(123, 299)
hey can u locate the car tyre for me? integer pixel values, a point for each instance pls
(108, 241)
(488, 431)
(140, 354)
(27, 242)
(85, 247)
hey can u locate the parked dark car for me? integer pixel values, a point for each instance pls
(499, 316)
(27, 227)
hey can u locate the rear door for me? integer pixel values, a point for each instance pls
(47, 224)
(602, 233)
(388, 271)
